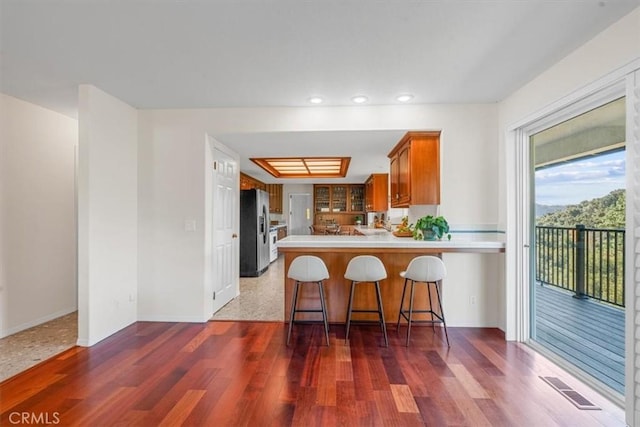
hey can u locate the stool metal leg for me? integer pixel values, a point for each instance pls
(442, 315)
(404, 289)
(353, 284)
(413, 287)
(294, 302)
(433, 317)
(381, 314)
(324, 311)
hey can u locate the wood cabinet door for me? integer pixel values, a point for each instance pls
(275, 198)
(368, 191)
(404, 176)
(245, 183)
(248, 182)
(377, 192)
(322, 198)
(339, 196)
(395, 177)
(425, 171)
(356, 198)
(415, 170)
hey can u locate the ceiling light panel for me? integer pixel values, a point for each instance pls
(305, 167)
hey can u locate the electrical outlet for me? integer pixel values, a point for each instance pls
(472, 300)
(190, 225)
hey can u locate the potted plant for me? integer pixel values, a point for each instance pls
(358, 220)
(431, 228)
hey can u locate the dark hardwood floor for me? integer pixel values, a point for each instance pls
(242, 373)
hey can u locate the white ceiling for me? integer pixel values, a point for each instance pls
(250, 53)
(368, 150)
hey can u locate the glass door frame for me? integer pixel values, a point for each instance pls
(524, 219)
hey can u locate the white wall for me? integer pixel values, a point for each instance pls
(472, 299)
(37, 215)
(614, 47)
(107, 215)
(171, 171)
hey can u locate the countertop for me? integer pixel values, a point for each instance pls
(275, 227)
(370, 231)
(493, 242)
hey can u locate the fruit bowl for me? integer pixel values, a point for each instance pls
(403, 233)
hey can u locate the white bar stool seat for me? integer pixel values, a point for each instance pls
(366, 269)
(308, 269)
(429, 270)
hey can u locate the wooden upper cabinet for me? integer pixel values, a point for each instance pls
(275, 191)
(332, 201)
(395, 192)
(376, 190)
(248, 182)
(415, 170)
(322, 198)
(275, 198)
(356, 198)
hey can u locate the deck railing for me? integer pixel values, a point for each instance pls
(586, 261)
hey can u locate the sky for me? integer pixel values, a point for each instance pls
(584, 179)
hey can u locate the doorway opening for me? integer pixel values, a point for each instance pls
(300, 217)
(577, 285)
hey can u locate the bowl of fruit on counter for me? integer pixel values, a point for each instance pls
(404, 229)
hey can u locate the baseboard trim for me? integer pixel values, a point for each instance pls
(170, 318)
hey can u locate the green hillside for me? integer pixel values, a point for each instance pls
(604, 212)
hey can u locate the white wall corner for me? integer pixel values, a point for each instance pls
(107, 215)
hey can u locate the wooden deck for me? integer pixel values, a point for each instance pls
(587, 333)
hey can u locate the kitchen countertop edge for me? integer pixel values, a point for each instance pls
(387, 241)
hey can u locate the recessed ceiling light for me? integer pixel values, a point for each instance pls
(315, 100)
(404, 98)
(360, 99)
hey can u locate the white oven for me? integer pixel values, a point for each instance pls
(273, 244)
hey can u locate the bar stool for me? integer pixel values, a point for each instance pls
(308, 269)
(366, 268)
(429, 270)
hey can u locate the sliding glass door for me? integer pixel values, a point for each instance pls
(577, 287)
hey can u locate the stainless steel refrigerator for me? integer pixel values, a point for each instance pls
(254, 232)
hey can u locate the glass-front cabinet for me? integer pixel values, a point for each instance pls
(322, 198)
(356, 198)
(339, 198)
(338, 203)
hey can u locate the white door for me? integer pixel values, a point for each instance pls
(225, 254)
(300, 218)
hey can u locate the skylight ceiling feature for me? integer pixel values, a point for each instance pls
(305, 167)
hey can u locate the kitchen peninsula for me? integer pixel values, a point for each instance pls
(394, 252)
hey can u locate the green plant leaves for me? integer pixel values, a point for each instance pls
(438, 225)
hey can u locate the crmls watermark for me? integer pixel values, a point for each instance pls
(46, 418)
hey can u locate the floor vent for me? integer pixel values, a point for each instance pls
(574, 397)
